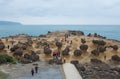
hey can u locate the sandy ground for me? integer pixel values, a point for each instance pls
(85, 57)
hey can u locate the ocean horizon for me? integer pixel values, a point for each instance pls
(109, 31)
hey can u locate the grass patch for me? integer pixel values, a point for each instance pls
(3, 75)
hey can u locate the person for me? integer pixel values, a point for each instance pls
(6, 39)
(71, 42)
(36, 69)
(8, 46)
(64, 59)
(105, 57)
(32, 72)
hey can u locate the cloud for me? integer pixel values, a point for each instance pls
(61, 11)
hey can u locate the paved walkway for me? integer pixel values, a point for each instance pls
(49, 73)
(53, 72)
(71, 72)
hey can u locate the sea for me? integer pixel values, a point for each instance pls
(109, 31)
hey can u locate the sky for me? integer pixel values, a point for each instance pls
(106, 12)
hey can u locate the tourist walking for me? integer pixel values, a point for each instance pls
(8, 46)
(32, 72)
(64, 60)
(36, 69)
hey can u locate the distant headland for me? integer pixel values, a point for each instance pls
(9, 23)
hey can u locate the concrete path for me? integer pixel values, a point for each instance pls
(50, 73)
(71, 72)
(53, 72)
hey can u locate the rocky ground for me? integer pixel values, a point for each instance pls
(101, 70)
(72, 45)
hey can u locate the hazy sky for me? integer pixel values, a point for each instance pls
(61, 11)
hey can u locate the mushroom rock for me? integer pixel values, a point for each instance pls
(2, 46)
(95, 52)
(116, 58)
(77, 52)
(84, 47)
(66, 51)
(101, 49)
(47, 51)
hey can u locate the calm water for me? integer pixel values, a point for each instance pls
(109, 31)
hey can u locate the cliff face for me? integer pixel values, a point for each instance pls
(9, 23)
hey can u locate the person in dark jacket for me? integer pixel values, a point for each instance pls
(36, 69)
(32, 72)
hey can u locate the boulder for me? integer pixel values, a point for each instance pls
(78, 33)
(18, 52)
(2, 46)
(101, 49)
(84, 47)
(95, 52)
(75, 62)
(77, 52)
(99, 42)
(28, 58)
(97, 61)
(15, 47)
(116, 58)
(115, 47)
(47, 51)
(25, 61)
(66, 51)
(83, 40)
(59, 44)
